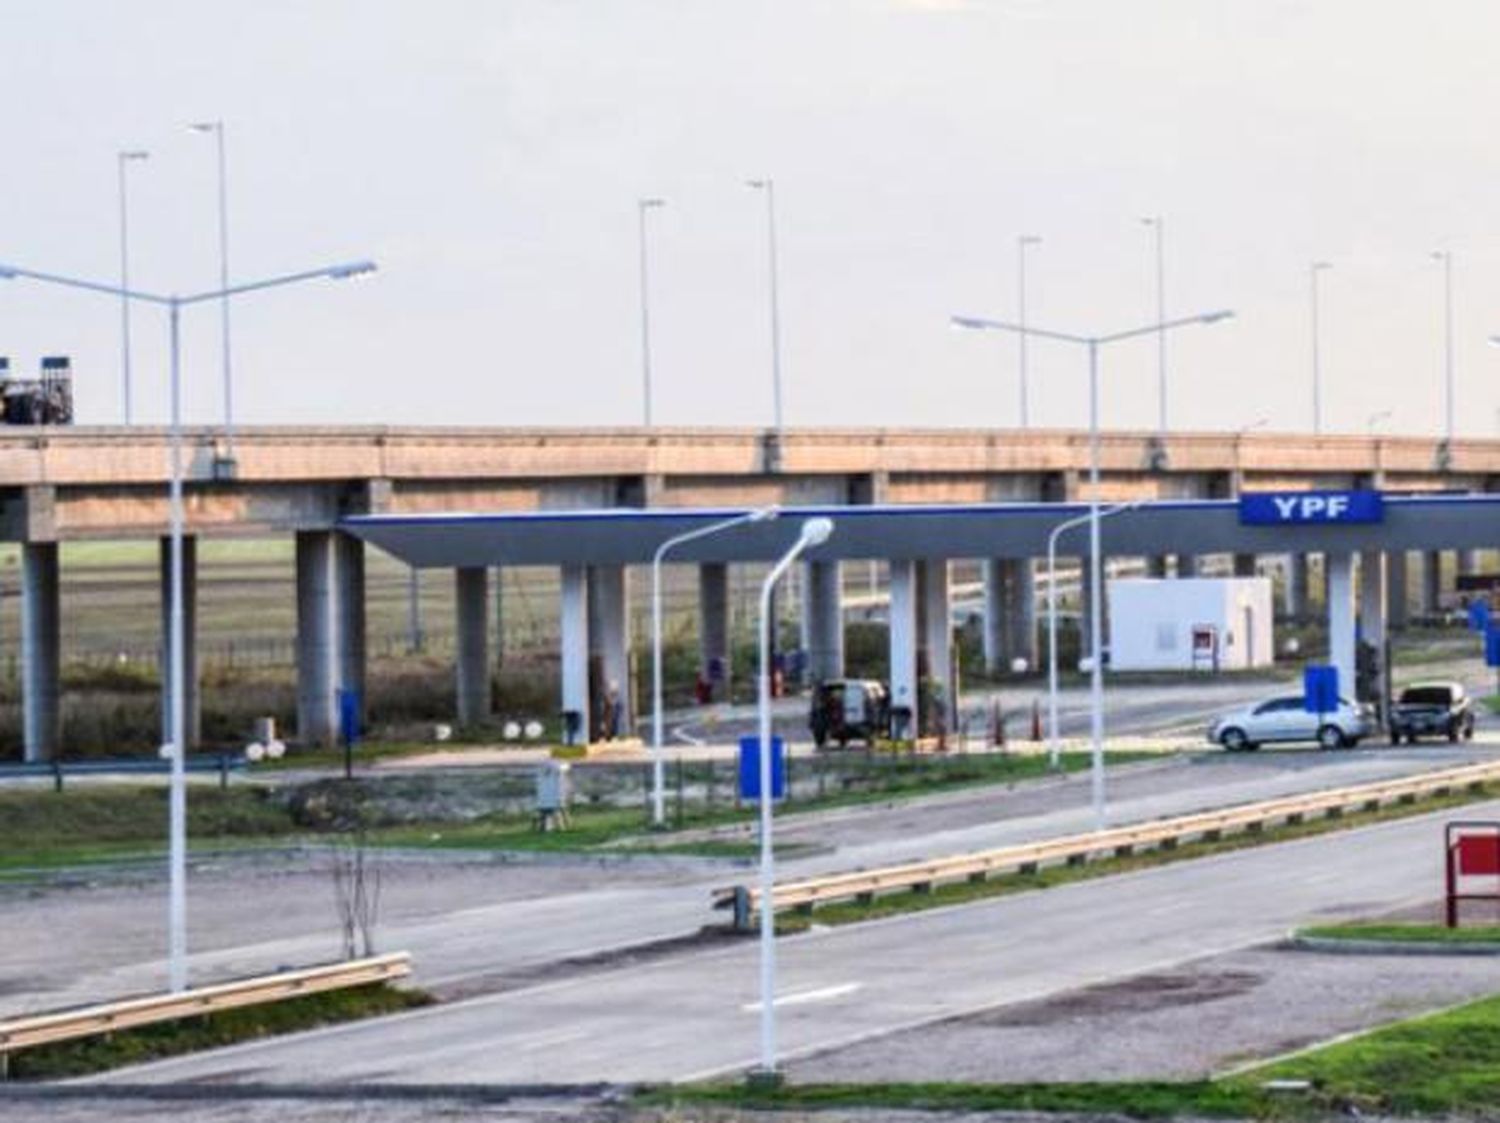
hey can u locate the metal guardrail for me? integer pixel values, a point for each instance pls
(865, 885)
(59, 770)
(87, 1021)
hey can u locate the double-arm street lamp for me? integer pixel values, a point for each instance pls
(658, 795)
(177, 722)
(1093, 343)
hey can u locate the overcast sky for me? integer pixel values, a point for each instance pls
(489, 154)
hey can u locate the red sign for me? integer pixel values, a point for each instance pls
(1478, 855)
(1473, 851)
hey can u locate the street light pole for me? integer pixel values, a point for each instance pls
(1054, 752)
(216, 128)
(1022, 242)
(1158, 225)
(642, 206)
(121, 159)
(1093, 343)
(769, 187)
(815, 532)
(658, 778)
(176, 630)
(1446, 257)
(1317, 368)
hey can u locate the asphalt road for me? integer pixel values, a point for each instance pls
(694, 1015)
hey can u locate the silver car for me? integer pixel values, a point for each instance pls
(1286, 719)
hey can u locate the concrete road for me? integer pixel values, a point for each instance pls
(475, 924)
(695, 1015)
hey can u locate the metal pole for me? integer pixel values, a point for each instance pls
(1021, 336)
(1161, 318)
(224, 284)
(1054, 753)
(642, 206)
(658, 811)
(121, 159)
(1096, 612)
(414, 610)
(177, 824)
(1317, 373)
(769, 186)
(767, 856)
(1448, 346)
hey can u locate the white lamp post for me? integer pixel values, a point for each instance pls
(1158, 226)
(1313, 270)
(1446, 258)
(177, 807)
(1024, 241)
(121, 160)
(814, 533)
(658, 793)
(769, 187)
(642, 206)
(1054, 753)
(1093, 343)
(216, 129)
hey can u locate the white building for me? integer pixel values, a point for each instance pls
(1185, 624)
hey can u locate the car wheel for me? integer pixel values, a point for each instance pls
(1469, 730)
(1331, 737)
(1234, 740)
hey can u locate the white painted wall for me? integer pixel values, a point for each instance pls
(1151, 622)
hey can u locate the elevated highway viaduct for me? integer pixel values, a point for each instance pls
(70, 484)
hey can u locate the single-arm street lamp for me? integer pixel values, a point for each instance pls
(1054, 754)
(216, 130)
(1093, 343)
(814, 533)
(122, 159)
(768, 185)
(641, 207)
(177, 722)
(1313, 271)
(658, 794)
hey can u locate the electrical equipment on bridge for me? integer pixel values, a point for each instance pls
(44, 400)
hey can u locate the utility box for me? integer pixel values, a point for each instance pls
(552, 796)
(1190, 624)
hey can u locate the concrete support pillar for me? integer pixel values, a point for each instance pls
(936, 635)
(330, 630)
(1156, 566)
(609, 645)
(1009, 613)
(1468, 562)
(1187, 565)
(499, 587)
(1431, 600)
(1374, 595)
(41, 660)
(193, 712)
(1340, 572)
(903, 639)
(1244, 565)
(471, 619)
(573, 628)
(714, 664)
(1295, 587)
(1398, 594)
(823, 620)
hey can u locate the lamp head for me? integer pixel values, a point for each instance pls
(352, 269)
(966, 323)
(1030, 239)
(816, 531)
(765, 514)
(134, 154)
(205, 126)
(7, 273)
(1319, 266)
(646, 204)
(757, 184)
(1494, 340)
(1439, 255)
(1215, 317)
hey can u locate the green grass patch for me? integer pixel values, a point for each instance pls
(211, 1031)
(1442, 1065)
(966, 892)
(1404, 933)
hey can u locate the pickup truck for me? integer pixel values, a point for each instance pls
(1432, 709)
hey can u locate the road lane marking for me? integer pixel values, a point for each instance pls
(801, 997)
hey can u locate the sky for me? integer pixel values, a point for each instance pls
(489, 155)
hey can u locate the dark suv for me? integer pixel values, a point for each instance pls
(1437, 709)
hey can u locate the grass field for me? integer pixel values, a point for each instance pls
(1405, 933)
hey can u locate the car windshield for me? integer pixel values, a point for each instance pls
(1426, 696)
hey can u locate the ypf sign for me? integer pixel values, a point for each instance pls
(1310, 508)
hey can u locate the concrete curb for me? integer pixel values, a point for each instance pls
(1335, 946)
